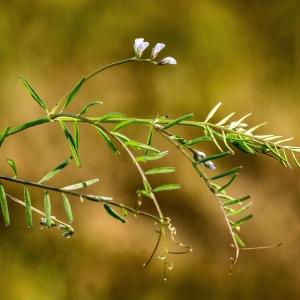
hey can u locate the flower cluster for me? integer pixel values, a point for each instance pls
(140, 46)
(199, 155)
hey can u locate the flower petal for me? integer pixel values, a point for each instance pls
(142, 48)
(168, 61)
(137, 43)
(139, 46)
(156, 49)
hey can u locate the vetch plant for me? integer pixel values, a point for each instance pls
(227, 135)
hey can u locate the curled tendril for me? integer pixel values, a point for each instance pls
(173, 232)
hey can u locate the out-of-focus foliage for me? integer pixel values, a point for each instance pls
(245, 53)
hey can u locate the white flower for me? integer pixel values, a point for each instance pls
(168, 61)
(140, 46)
(156, 49)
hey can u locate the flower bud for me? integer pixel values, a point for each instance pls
(199, 155)
(156, 49)
(210, 165)
(168, 61)
(140, 46)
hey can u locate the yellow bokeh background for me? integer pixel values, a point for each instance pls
(243, 53)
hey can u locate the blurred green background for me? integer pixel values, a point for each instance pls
(245, 53)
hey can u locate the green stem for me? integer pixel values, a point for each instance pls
(79, 195)
(117, 63)
(144, 177)
(94, 73)
(184, 151)
(92, 120)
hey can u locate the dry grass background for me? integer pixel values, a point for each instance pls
(245, 53)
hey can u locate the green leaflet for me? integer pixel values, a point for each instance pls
(235, 212)
(226, 173)
(295, 159)
(24, 126)
(239, 122)
(98, 198)
(160, 170)
(4, 135)
(226, 185)
(212, 112)
(178, 120)
(140, 146)
(56, 170)
(224, 120)
(239, 241)
(123, 124)
(113, 213)
(80, 185)
(33, 94)
(167, 187)
(73, 92)
(284, 140)
(28, 212)
(72, 144)
(197, 140)
(147, 185)
(67, 207)
(4, 206)
(273, 137)
(107, 140)
(146, 158)
(86, 107)
(149, 139)
(111, 115)
(124, 212)
(225, 196)
(250, 130)
(242, 221)
(178, 139)
(286, 159)
(240, 145)
(226, 143)
(121, 136)
(47, 208)
(245, 146)
(76, 135)
(236, 201)
(13, 166)
(144, 193)
(210, 132)
(213, 156)
(275, 152)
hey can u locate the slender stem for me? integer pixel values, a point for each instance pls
(145, 179)
(166, 135)
(154, 250)
(55, 189)
(262, 247)
(142, 121)
(117, 63)
(79, 195)
(86, 120)
(84, 79)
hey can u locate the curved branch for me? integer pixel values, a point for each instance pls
(79, 195)
(211, 187)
